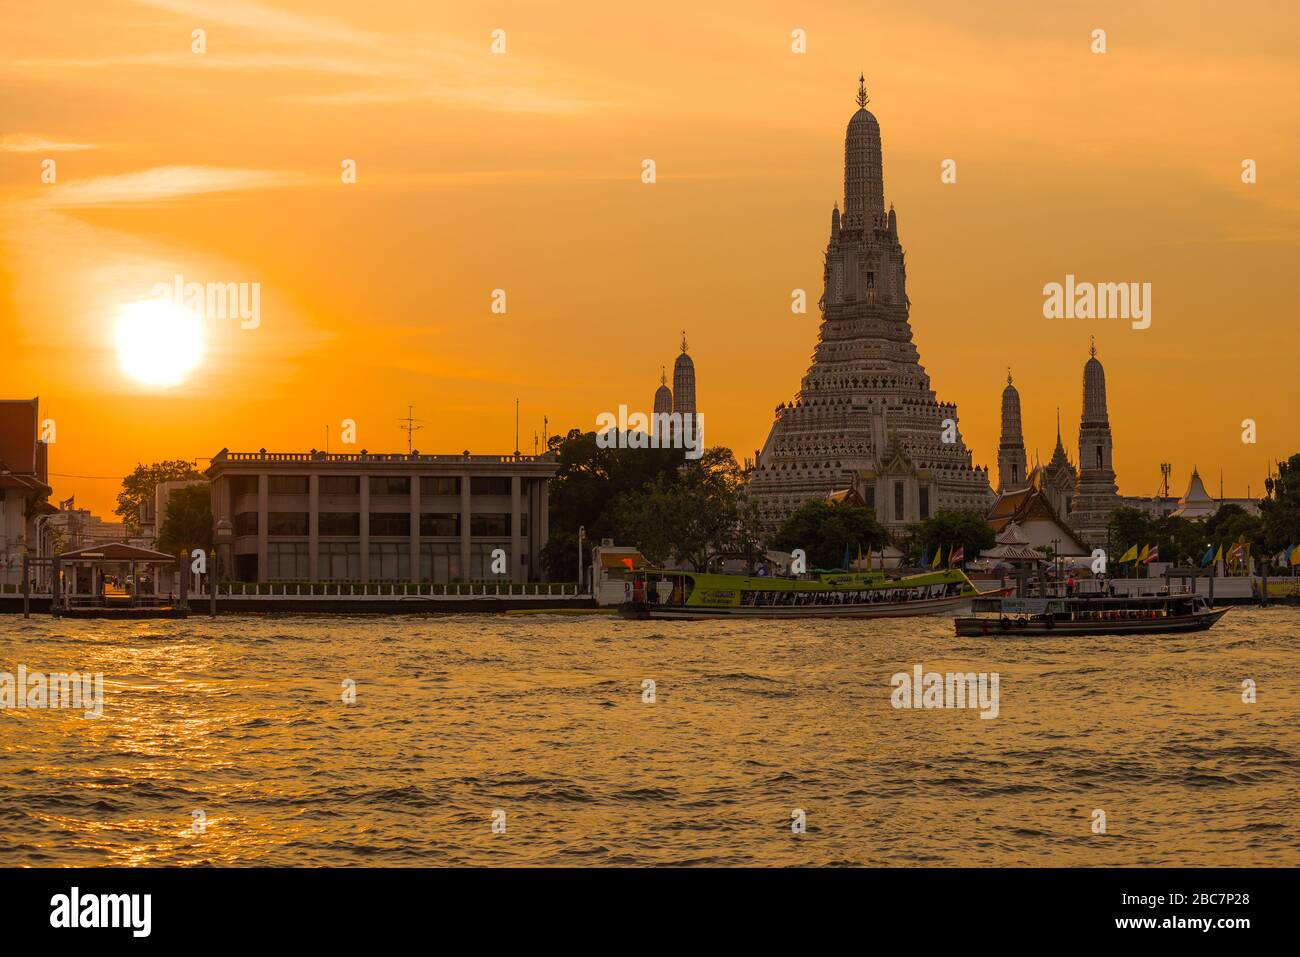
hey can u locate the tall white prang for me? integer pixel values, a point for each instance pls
(865, 416)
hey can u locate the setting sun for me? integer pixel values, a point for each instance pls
(158, 343)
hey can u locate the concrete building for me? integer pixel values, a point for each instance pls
(72, 528)
(406, 517)
(866, 415)
(24, 488)
(1196, 503)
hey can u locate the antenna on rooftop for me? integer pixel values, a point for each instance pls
(408, 425)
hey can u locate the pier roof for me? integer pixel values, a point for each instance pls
(115, 552)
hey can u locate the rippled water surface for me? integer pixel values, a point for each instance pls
(542, 717)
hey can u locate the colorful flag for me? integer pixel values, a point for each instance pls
(1236, 552)
(1130, 555)
(956, 556)
(938, 557)
(1295, 554)
(1153, 555)
(1208, 556)
(844, 562)
(1142, 556)
(1218, 556)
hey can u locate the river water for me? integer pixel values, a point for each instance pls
(535, 740)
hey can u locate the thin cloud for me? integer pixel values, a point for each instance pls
(269, 22)
(257, 38)
(161, 184)
(34, 143)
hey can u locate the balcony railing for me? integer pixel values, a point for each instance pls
(391, 590)
(395, 458)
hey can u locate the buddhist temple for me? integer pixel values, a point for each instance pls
(866, 415)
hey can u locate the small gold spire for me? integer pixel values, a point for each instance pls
(1008, 375)
(863, 99)
(663, 375)
(683, 340)
(1092, 350)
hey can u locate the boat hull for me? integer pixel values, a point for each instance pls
(909, 609)
(978, 627)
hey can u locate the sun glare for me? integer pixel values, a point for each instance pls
(158, 343)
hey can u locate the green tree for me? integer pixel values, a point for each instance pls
(1183, 540)
(825, 529)
(1129, 527)
(747, 536)
(582, 494)
(140, 485)
(1280, 509)
(948, 528)
(188, 524)
(691, 515)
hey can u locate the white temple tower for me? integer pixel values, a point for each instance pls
(1012, 462)
(1096, 495)
(663, 404)
(684, 389)
(865, 416)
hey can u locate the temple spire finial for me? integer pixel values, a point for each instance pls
(1092, 349)
(1008, 375)
(663, 375)
(683, 340)
(863, 99)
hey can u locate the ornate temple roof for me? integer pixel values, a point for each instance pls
(866, 414)
(1028, 504)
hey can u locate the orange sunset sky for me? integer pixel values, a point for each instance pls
(522, 171)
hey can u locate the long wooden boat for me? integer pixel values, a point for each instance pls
(1088, 615)
(661, 594)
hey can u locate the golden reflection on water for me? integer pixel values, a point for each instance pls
(543, 717)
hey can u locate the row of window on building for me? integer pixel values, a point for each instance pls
(389, 561)
(379, 485)
(432, 524)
